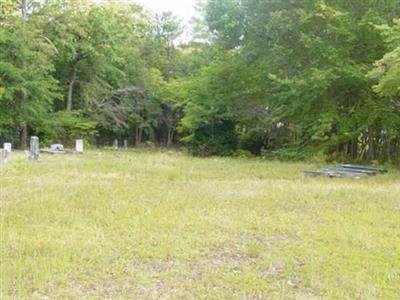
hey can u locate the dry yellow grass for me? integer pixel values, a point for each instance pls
(163, 225)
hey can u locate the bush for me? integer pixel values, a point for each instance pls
(220, 139)
(243, 153)
(252, 141)
(65, 126)
(286, 154)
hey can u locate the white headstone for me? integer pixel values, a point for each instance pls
(79, 146)
(34, 148)
(125, 143)
(116, 144)
(7, 147)
(3, 157)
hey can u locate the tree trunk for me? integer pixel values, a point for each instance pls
(24, 10)
(354, 148)
(138, 136)
(71, 87)
(170, 137)
(371, 150)
(388, 148)
(152, 135)
(24, 128)
(23, 137)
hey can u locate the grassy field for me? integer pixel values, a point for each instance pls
(163, 225)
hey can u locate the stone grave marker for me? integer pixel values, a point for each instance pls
(116, 144)
(3, 157)
(34, 148)
(7, 147)
(79, 146)
(125, 144)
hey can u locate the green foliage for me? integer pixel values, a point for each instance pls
(215, 139)
(243, 153)
(316, 78)
(64, 126)
(27, 86)
(387, 70)
(307, 67)
(287, 154)
(253, 140)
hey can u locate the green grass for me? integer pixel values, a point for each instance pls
(162, 225)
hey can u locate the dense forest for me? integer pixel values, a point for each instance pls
(286, 79)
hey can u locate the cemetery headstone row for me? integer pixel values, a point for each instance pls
(56, 148)
(34, 149)
(117, 143)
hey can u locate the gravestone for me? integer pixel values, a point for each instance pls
(3, 157)
(7, 147)
(79, 146)
(34, 148)
(125, 144)
(116, 144)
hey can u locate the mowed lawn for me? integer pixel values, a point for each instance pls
(164, 225)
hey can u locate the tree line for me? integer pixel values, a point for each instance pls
(278, 78)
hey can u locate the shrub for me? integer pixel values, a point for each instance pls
(220, 139)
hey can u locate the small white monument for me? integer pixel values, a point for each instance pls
(116, 144)
(34, 148)
(3, 157)
(125, 144)
(7, 147)
(79, 146)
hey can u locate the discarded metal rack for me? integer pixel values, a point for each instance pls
(346, 170)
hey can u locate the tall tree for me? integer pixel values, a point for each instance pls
(26, 71)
